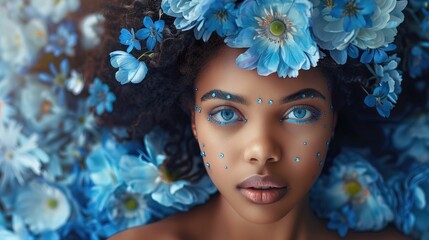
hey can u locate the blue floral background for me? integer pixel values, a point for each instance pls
(63, 176)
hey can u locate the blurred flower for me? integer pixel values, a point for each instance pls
(379, 99)
(220, 17)
(7, 111)
(355, 182)
(19, 232)
(418, 61)
(129, 38)
(277, 35)
(100, 97)
(53, 10)
(57, 79)
(63, 41)
(91, 28)
(48, 209)
(415, 146)
(80, 124)
(187, 13)
(356, 13)
(75, 83)
(130, 69)
(342, 219)
(19, 156)
(152, 31)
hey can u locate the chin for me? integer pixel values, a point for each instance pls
(263, 214)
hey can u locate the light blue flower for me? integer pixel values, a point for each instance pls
(379, 55)
(388, 72)
(130, 69)
(57, 79)
(150, 175)
(380, 99)
(188, 13)
(100, 97)
(220, 17)
(20, 157)
(7, 110)
(128, 38)
(81, 125)
(418, 61)
(354, 181)
(277, 35)
(412, 207)
(152, 31)
(63, 41)
(342, 219)
(415, 146)
(42, 206)
(356, 13)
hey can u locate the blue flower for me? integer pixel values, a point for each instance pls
(130, 69)
(63, 41)
(220, 17)
(388, 72)
(20, 232)
(20, 157)
(379, 99)
(411, 192)
(354, 181)
(187, 13)
(7, 111)
(356, 13)
(277, 35)
(418, 61)
(57, 79)
(152, 31)
(100, 97)
(379, 55)
(81, 125)
(42, 206)
(129, 38)
(342, 219)
(75, 83)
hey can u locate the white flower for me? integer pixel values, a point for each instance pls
(18, 155)
(75, 83)
(92, 29)
(6, 109)
(42, 207)
(54, 10)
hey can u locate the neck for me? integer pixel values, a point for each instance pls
(300, 223)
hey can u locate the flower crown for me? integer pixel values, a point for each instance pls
(283, 37)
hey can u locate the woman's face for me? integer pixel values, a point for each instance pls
(263, 140)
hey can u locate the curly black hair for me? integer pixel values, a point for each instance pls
(166, 96)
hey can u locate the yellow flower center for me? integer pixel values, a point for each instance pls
(351, 9)
(9, 155)
(52, 203)
(353, 188)
(221, 15)
(131, 204)
(277, 28)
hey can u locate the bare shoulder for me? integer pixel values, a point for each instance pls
(389, 233)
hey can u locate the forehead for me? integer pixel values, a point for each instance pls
(221, 72)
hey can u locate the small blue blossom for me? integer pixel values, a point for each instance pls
(418, 61)
(152, 31)
(220, 17)
(20, 157)
(356, 13)
(80, 124)
(379, 99)
(354, 181)
(342, 220)
(379, 55)
(277, 35)
(63, 41)
(130, 69)
(57, 79)
(187, 13)
(128, 38)
(48, 210)
(100, 97)
(388, 72)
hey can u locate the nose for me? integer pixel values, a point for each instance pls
(263, 148)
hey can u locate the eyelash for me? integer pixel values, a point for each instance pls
(315, 115)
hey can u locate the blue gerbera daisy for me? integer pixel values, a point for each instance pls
(277, 35)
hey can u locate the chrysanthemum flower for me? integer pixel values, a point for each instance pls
(19, 156)
(43, 207)
(277, 35)
(188, 13)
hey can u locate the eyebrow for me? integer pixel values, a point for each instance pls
(301, 94)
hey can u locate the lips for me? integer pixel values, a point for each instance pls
(262, 189)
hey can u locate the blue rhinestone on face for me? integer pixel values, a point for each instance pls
(245, 120)
(213, 94)
(259, 100)
(196, 89)
(303, 96)
(204, 145)
(312, 96)
(297, 159)
(318, 154)
(203, 154)
(208, 165)
(270, 102)
(209, 119)
(228, 96)
(305, 143)
(226, 167)
(221, 155)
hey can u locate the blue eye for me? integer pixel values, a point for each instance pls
(225, 116)
(302, 114)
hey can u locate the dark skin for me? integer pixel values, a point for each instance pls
(257, 139)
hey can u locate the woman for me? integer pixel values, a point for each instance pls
(263, 122)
